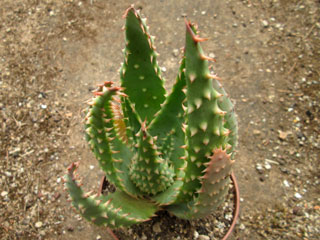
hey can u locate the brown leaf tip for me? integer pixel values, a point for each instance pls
(195, 37)
(73, 166)
(131, 8)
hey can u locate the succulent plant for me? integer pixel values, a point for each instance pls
(162, 152)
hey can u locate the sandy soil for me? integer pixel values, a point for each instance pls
(54, 52)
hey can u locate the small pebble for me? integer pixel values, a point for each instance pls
(228, 216)
(4, 193)
(267, 166)
(212, 55)
(265, 23)
(259, 168)
(297, 196)
(242, 226)
(271, 161)
(256, 132)
(175, 52)
(144, 237)
(283, 135)
(286, 183)
(156, 227)
(278, 25)
(38, 224)
(297, 211)
(221, 225)
(195, 235)
(204, 237)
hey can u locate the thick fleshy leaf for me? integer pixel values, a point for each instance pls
(99, 130)
(204, 116)
(113, 154)
(149, 171)
(131, 119)
(114, 210)
(172, 110)
(214, 187)
(230, 117)
(140, 73)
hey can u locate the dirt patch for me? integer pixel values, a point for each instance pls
(53, 53)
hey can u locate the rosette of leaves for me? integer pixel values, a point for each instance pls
(161, 151)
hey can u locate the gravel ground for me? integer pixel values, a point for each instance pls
(54, 52)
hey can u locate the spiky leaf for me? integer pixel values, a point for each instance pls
(115, 210)
(140, 73)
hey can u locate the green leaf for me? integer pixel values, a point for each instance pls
(168, 117)
(168, 124)
(132, 120)
(115, 210)
(140, 73)
(231, 119)
(100, 133)
(149, 171)
(204, 118)
(113, 154)
(214, 187)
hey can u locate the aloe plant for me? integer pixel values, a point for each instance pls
(161, 152)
